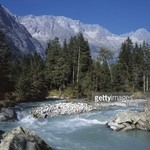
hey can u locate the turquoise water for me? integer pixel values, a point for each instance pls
(81, 132)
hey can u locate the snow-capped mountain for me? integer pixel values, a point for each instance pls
(45, 27)
(17, 34)
(139, 36)
(31, 33)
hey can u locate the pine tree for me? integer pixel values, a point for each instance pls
(38, 83)
(106, 56)
(101, 75)
(146, 66)
(5, 82)
(84, 56)
(73, 57)
(124, 65)
(52, 61)
(137, 67)
(65, 65)
(23, 85)
(31, 84)
(96, 75)
(82, 59)
(119, 84)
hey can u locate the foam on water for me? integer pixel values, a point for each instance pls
(69, 124)
(78, 122)
(28, 120)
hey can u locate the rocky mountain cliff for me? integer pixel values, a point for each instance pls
(17, 35)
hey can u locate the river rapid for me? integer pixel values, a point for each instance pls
(85, 131)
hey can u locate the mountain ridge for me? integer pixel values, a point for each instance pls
(31, 33)
(47, 27)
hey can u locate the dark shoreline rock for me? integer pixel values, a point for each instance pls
(7, 114)
(1, 135)
(7, 103)
(22, 139)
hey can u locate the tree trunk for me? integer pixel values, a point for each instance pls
(147, 83)
(144, 83)
(78, 67)
(110, 71)
(73, 74)
(60, 92)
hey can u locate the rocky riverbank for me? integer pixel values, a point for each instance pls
(68, 108)
(22, 139)
(131, 120)
(61, 109)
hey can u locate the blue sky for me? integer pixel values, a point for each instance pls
(118, 16)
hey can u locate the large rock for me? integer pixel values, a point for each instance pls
(7, 114)
(22, 139)
(131, 120)
(129, 117)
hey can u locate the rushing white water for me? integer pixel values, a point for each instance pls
(85, 131)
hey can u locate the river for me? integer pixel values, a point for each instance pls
(81, 131)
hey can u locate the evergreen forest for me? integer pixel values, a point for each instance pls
(71, 67)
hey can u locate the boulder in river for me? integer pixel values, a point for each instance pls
(131, 120)
(7, 114)
(22, 139)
